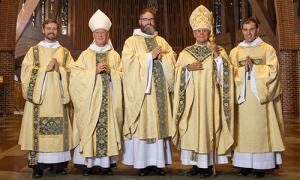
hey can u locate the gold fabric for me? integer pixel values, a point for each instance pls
(91, 107)
(258, 123)
(45, 126)
(142, 120)
(201, 18)
(203, 110)
(160, 92)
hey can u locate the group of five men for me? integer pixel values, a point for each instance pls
(206, 103)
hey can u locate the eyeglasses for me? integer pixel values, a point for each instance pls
(146, 19)
(51, 28)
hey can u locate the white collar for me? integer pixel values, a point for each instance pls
(201, 45)
(49, 45)
(99, 49)
(138, 32)
(256, 42)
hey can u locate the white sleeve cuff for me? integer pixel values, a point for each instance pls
(219, 64)
(253, 84)
(150, 69)
(187, 76)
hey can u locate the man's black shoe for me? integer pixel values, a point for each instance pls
(193, 172)
(37, 173)
(207, 172)
(245, 171)
(62, 172)
(107, 171)
(86, 172)
(259, 174)
(158, 171)
(143, 171)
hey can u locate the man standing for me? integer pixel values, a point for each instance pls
(96, 91)
(148, 66)
(203, 99)
(258, 124)
(46, 129)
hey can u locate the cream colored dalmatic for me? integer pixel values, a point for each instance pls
(46, 129)
(258, 123)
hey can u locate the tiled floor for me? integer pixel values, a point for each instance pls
(13, 162)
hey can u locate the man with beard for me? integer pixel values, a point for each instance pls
(203, 99)
(96, 91)
(258, 138)
(148, 67)
(46, 129)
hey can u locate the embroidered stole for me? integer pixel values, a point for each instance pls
(160, 92)
(102, 124)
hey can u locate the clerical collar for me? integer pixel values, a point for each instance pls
(138, 32)
(201, 45)
(256, 42)
(49, 45)
(99, 49)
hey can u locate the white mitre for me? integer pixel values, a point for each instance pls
(99, 20)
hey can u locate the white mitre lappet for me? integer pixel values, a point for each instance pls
(100, 20)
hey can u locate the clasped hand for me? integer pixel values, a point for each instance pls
(102, 67)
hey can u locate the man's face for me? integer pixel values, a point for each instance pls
(101, 36)
(250, 32)
(50, 31)
(201, 35)
(147, 23)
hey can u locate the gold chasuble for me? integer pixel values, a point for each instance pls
(203, 102)
(259, 122)
(98, 104)
(148, 115)
(45, 126)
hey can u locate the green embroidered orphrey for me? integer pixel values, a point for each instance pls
(102, 124)
(160, 91)
(200, 54)
(51, 125)
(45, 125)
(256, 61)
(226, 90)
(181, 93)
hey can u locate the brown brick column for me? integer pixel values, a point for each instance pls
(298, 81)
(7, 66)
(8, 19)
(289, 80)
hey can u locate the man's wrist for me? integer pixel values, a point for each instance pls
(188, 67)
(216, 54)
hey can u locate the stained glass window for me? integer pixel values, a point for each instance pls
(64, 17)
(218, 16)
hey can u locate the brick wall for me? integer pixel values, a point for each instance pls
(289, 71)
(289, 55)
(8, 16)
(7, 69)
(288, 37)
(298, 82)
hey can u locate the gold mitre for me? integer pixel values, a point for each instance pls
(201, 18)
